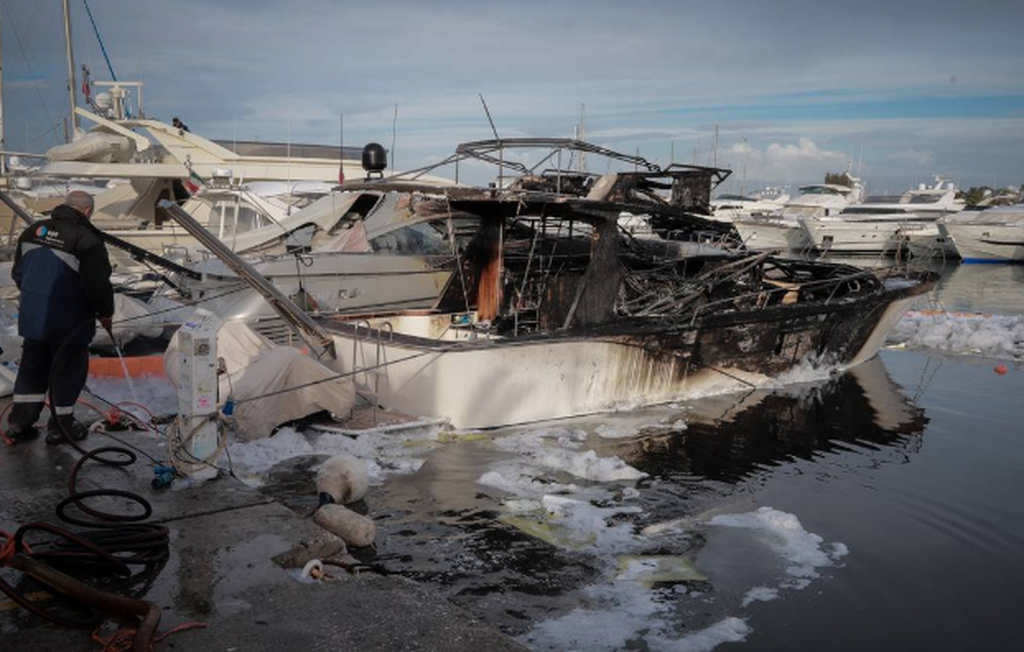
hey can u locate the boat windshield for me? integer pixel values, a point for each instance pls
(804, 211)
(820, 190)
(865, 210)
(422, 239)
(231, 215)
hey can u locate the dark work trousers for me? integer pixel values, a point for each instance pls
(33, 383)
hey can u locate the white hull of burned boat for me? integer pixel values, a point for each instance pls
(494, 383)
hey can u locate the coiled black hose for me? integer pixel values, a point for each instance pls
(112, 544)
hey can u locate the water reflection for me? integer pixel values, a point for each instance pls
(730, 439)
(440, 526)
(982, 288)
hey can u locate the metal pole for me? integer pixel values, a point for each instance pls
(75, 121)
(19, 211)
(3, 142)
(341, 147)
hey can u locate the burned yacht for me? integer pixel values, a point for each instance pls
(554, 312)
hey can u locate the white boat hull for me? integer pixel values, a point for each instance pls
(864, 237)
(331, 283)
(988, 242)
(930, 241)
(773, 234)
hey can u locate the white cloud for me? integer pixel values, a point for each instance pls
(913, 156)
(785, 162)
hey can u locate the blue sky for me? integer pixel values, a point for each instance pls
(907, 89)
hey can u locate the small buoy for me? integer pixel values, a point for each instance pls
(1001, 369)
(342, 479)
(354, 529)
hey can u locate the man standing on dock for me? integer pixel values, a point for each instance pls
(63, 271)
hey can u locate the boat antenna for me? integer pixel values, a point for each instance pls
(743, 182)
(341, 147)
(394, 137)
(69, 53)
(583, 136)
(715, 149)
(489, 119)
(501, 150)
(289, 186)
(99, 38)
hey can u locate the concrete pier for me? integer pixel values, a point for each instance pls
(225, 538)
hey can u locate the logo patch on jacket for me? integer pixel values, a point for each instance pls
(41, 232)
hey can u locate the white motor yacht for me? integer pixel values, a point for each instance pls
(784, 230)
(883, 225)
(368, 251)
(251, 195)
(992, 235)
(729, 207)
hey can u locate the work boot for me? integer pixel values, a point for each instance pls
(55, 433)
(19, 435)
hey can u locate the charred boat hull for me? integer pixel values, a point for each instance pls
(489, 383)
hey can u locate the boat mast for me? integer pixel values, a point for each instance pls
(743, 181)
(3, 140)
(582, 135)
(75, 120)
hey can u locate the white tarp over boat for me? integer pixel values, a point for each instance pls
(257, 368)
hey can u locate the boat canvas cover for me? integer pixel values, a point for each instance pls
(258, 368)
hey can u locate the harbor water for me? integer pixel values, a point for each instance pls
(874, 509)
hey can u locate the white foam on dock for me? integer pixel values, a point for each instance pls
(384, 454)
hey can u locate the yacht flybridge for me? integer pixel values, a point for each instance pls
(114, 145)
(550, 309)
(258, 197)
(729, 207)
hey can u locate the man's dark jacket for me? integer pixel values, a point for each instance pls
(63, 271)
